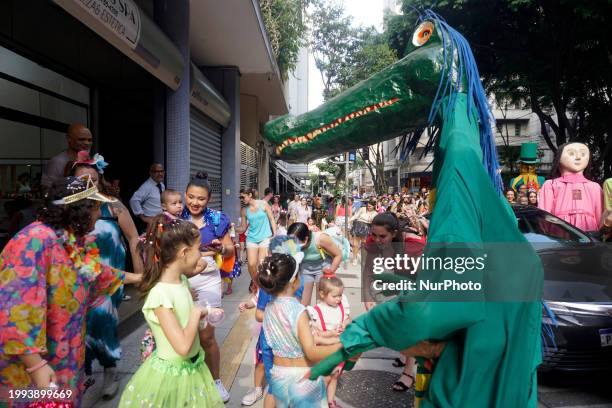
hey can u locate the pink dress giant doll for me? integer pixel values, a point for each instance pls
(570, 195)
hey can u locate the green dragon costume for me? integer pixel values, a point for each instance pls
(492, 345)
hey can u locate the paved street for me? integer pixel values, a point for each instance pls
(368, 385)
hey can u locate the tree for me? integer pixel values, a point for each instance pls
(553, 54)
(286, 30)
(346, 55)
(376, 166)
(333, 41)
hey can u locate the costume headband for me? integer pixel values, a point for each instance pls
(90, 193)
(298, 260)
(97, 160)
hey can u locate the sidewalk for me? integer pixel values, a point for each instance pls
(367, 385)
(359, 388)
(130, 344)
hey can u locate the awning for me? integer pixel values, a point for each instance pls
(207, 99)
(132, 32)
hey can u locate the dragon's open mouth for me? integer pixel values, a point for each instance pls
(315, 133)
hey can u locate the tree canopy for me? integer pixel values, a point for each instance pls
(555, 55)
(346, 55)
(286, 31)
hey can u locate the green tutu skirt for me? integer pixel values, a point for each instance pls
(167, 383)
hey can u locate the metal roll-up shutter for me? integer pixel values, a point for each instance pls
(248, 166)
(205, 152)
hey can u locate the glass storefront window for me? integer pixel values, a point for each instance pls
(38, 105)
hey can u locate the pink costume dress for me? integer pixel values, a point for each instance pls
(573, 198)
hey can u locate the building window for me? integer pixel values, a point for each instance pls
(517, 129)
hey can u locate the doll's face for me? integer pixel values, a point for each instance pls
(574, 158)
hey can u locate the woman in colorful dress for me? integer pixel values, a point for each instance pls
(215, 240)
(50, 273)
(115, 222)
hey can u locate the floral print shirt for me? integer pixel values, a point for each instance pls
(48, 281)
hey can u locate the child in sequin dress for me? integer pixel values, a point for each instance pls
(287, 330)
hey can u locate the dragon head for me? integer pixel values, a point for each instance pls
(403, 99)
(393, 102)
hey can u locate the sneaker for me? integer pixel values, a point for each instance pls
(254, 395)
(110, 385)
(222, 391)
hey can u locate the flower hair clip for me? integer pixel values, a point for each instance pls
(97, 160)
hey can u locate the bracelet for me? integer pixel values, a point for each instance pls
(36, 366)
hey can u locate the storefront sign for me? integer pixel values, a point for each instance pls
(121, 17)
(122, 24)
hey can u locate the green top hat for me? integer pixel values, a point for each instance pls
(529, 153)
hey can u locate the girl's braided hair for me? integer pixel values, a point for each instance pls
(275, 272)
(164, 237)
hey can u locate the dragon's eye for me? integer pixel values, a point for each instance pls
(422, 33)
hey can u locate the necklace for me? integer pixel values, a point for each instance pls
(83, 253)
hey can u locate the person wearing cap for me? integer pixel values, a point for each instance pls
(78, 139)
(50, 273)
(528, 160)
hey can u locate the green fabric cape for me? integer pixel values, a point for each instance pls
(492, 348)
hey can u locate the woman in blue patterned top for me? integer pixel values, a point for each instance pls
(115, 222)
(214, 239)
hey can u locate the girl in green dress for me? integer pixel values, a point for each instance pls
(175, 375)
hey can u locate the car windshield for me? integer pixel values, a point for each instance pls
(541, 228)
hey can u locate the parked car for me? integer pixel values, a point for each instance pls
(577, 290)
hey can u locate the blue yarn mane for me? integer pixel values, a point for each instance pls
(459, 67)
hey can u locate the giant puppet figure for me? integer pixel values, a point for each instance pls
(528, 160)
(490, 349)
(569, 194)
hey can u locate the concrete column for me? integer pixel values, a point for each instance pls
(227, 81)
(172, 16)
(264, 173)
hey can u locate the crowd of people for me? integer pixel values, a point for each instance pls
(62, 277)
(62, 280)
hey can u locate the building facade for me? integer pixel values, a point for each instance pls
(155, 81)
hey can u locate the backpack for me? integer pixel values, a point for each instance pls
(340, 240)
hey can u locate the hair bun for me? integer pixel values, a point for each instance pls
(202, 175)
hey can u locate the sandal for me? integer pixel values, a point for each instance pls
(398, 362)
(400, 386)
(229, 291)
